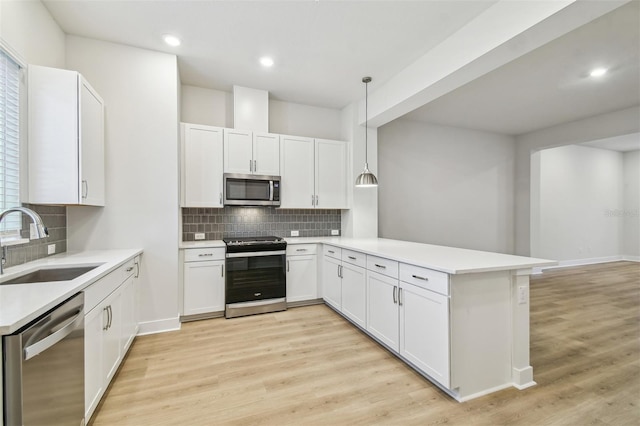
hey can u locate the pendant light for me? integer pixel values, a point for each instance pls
(366, 178)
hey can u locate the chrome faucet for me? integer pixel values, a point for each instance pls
(40, 229)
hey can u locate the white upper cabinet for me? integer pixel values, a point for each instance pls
(266, 154)
(314, 173)
(249, 153)
(331, 174)
(297, 172)
(201, 166)
(66, 139)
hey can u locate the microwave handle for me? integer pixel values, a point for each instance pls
(270, 190)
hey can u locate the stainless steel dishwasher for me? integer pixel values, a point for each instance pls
(44, 368)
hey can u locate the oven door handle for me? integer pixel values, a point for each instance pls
(256, 254)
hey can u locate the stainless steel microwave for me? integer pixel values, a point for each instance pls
(251, 190)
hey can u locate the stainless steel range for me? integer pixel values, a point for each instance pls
(256, 280)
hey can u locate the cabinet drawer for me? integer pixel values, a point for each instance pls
(382, 266)
(355, 258)
(425, 278)
(128, 269)
(198, 255)
(99, 290)
(301, 249)
(332, 251)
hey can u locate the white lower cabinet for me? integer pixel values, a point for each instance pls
(203, 281)
(302, 273)
(354, 289)
(110, 326)
(382, 309)
(424, 331)
(331, 282)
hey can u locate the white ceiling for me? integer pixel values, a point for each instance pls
(322, 49)
(551, 85)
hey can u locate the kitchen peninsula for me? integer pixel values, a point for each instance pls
(459, 317)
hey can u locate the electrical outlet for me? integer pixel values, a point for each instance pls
(335, 232)
(199, 236)
(51, 249)
(295, 233)
(522, 295)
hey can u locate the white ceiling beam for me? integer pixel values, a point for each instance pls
(504, 32)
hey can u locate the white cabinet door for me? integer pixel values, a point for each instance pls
(424, 331)
(266, 154)
(203, 287)
(302, 278)
(91, 145)
(297, 172)
(202, 166)
(112, 335)
(331, 282)
(94, 323)
(331, 174)
(382, 309)
(354, 293)
(66, 139)
(129, 318)
(238, 151)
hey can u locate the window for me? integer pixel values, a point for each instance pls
(10, 73)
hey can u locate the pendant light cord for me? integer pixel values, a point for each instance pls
(366, 124)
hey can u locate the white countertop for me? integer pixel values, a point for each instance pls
(22, 303)
(451, 260)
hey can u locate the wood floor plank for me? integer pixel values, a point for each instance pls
(309, 366)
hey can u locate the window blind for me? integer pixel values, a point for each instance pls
(9, 140)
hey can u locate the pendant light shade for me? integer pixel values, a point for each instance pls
(366, 178)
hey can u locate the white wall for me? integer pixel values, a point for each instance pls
(578, 191)
(631, 233)
(140, 91)
(206, 106)
(603, 126)
(30, 30)
(215, 108)
(446, 186)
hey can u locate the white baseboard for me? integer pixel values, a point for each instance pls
(631, 258)
(159, 326)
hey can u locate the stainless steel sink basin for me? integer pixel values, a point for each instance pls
(50, 274)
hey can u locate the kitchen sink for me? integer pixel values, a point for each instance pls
(50, 274)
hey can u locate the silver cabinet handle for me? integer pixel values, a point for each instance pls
(137, 269)
(301, 249)
(221, 198)
(129, 269)
(222, 271)
(313, 197)
(417, 277)
(250, 165)
(331, 251)
(106, 326)
(351, 257)
(399, 296)
(85, 189)
(110, 316)
(205, 255)
(317, 200)
(255, 166)
(395, 297)
(380, 266)
(287, 266)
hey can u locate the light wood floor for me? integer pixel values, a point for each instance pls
(308, 366)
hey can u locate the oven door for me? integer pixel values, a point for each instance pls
(255, 276)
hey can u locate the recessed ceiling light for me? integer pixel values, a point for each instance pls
(598, 72)
(266, 61)
(171, 40)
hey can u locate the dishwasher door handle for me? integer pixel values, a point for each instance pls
(44, 344)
